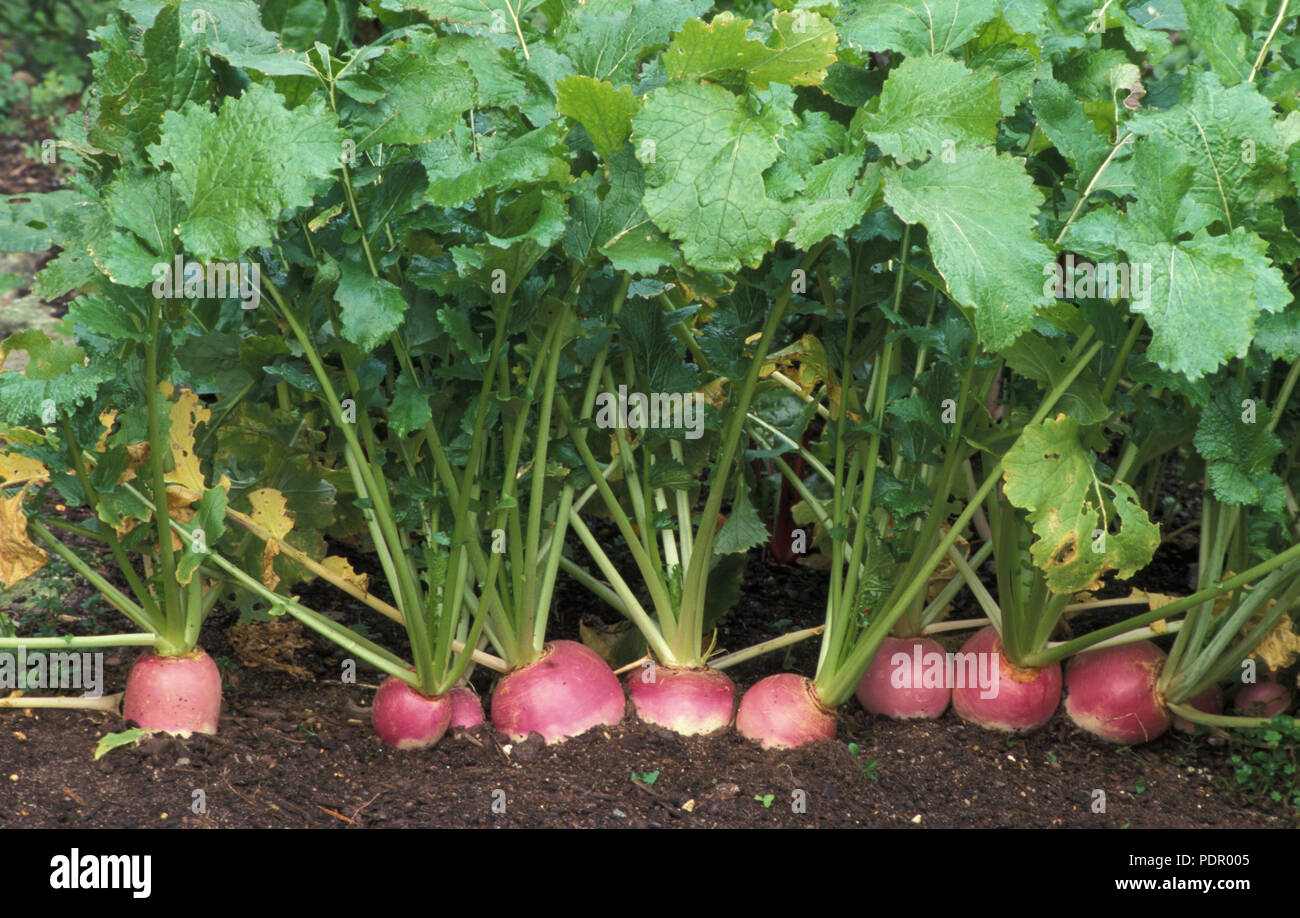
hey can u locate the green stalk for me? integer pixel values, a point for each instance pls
(116, 598)
(407, 591)
(88, 640)
(173, 612)
(834, 688)
(148, 604)
(1069, 648)
(695, 585)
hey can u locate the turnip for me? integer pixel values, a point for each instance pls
(691, 702)
(1262, 699)
(1112, 693)
(1209, 701)
(1017, 700)
(677, 552)
(180, 694)
(784, 711)
(896, 685)
(569, 690)
(466, 708)
(407, 719)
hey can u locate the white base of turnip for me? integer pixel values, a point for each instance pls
(896, 684)
(177, 695)
(1020, 701)
(1111, 693)
(566, 692)
(782, 712)
(692, 702)
(404, 718)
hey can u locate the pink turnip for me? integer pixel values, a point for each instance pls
(1111, 693)
(783, 711)
(566, 692)
(1262, 699)
(406, 719)
(691, 702)
(906, 680)
(466, 708)
(1209, 701)
(180, 695)
(994, 693)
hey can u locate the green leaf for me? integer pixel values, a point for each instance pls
(56, 378)
(1215, 30)
(835, 199)
(456, 323)
(238, 169)
(614, 224)
(209, 526)
(743, 528)
(148, 207)
(980, 214)
(608, 38)
(658, 356)
(800, 48)
(426, 90)
(706, 177)
(497, 16)
(1279, 333)
(372, 308)
(1046, 362)
(458, 175)
(1229, 138)
(27, 222)
(930, 104)
(1205, 296)
(135, 86)
(604, 111)
(1049, 474)
(410, 409)
(1239, 450)
(914, 27)
(1061, 117)
(110, 741)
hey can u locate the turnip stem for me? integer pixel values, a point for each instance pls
(81, 640)
(755, 650)
(964, 624)
(111, 704)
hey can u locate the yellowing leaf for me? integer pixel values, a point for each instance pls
(107, 418)
(18, 469)
(269, 512)
(1280, 646)
(187, 413)
(340, 567)
(19, 557)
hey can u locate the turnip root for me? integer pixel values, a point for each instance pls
(1209, 701)
(466, 708)
(1262, 699)
(783, 711)
(897, 686)
(1111, 693)
(406, 719)
(178, 695)
(1010, 699)
(691, 702)
(566, 692)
